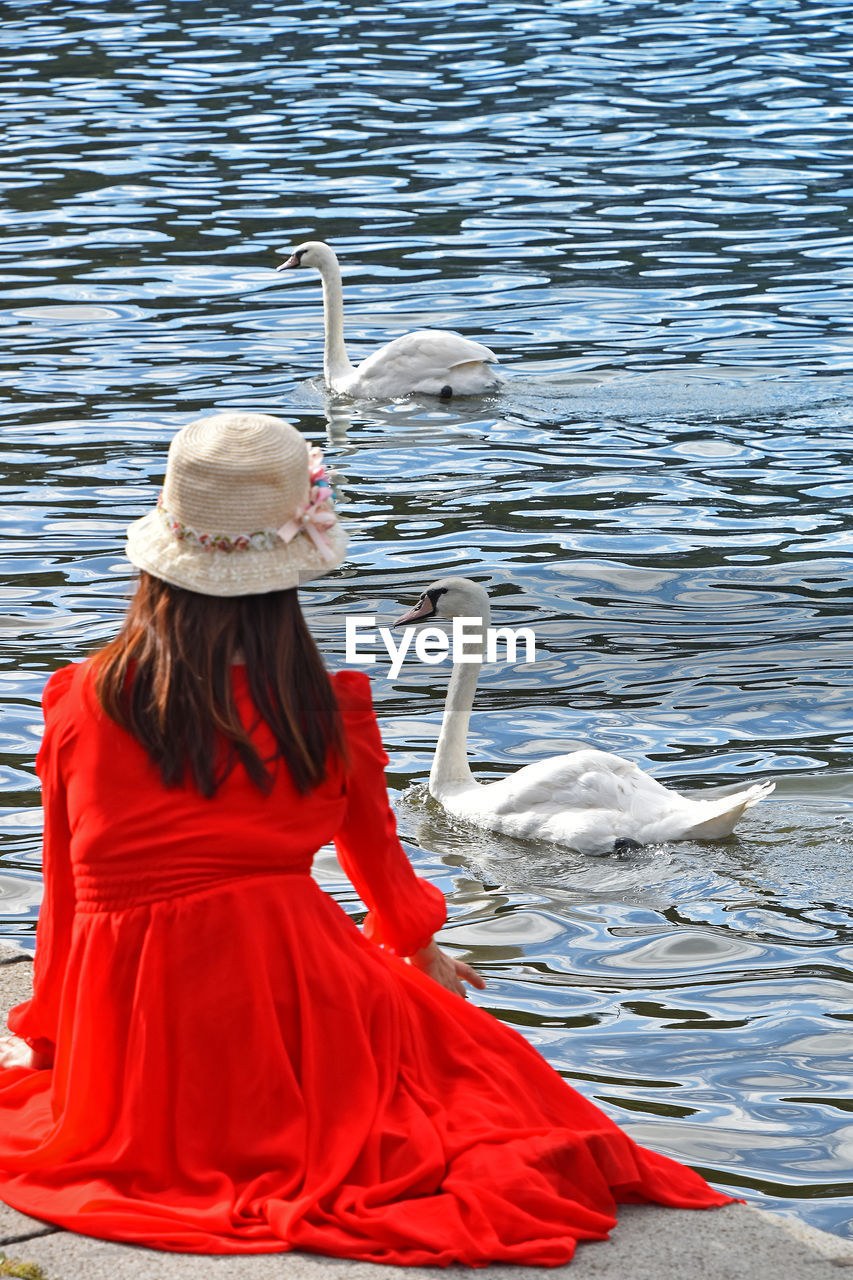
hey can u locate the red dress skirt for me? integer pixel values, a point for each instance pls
(238, 1068)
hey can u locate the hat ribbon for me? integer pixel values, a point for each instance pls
(313, 518)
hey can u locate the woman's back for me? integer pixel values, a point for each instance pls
(134, 840)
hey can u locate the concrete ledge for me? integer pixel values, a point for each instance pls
(650, 1242)
(16, 1226)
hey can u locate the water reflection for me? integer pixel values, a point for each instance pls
(645, 211)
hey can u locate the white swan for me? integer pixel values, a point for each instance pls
(590, 800)
(434, 361)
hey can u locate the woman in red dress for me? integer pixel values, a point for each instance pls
(215, 1058)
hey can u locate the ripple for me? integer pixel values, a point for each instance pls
(645, 211)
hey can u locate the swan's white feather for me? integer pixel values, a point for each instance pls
(590, 799)
(427, 360)
(585, 799)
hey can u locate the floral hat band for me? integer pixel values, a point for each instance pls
(240, 483)
(313, 518)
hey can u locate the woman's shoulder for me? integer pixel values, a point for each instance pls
(58, 687)
(64, 712)
(64, 688)
(352, 690)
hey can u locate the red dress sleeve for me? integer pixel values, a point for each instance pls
(37, 1020)
(404, 910)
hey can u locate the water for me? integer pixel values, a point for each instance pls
(645, 210)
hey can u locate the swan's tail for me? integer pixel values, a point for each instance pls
(725, 812)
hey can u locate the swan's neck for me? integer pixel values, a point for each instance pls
(336, 362)
(450, 768)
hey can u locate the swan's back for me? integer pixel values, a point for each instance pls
(432, 361)
(590, 799)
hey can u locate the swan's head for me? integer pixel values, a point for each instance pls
(313, 253)
(449, 598)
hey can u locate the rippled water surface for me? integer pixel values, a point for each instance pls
(645, 209)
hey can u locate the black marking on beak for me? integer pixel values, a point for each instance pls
(295, 260)
(425, 608)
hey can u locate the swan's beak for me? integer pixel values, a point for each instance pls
(423, 609)
(292, 261)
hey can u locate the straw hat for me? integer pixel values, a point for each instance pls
(246, 508)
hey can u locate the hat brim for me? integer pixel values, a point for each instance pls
(213, 572)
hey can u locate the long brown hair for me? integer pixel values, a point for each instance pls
(167, 679)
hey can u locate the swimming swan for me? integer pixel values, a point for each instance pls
(590, 800)
(434, 361)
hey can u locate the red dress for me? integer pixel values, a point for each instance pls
(240, 1069)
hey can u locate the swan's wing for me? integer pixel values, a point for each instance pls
(586, 779)
(589, 799)
(428, 360)
(586, 799)
(436, 348)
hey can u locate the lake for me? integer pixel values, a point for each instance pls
(645, 210)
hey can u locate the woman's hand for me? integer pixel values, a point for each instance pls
(15, 1052)
(446, 971)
